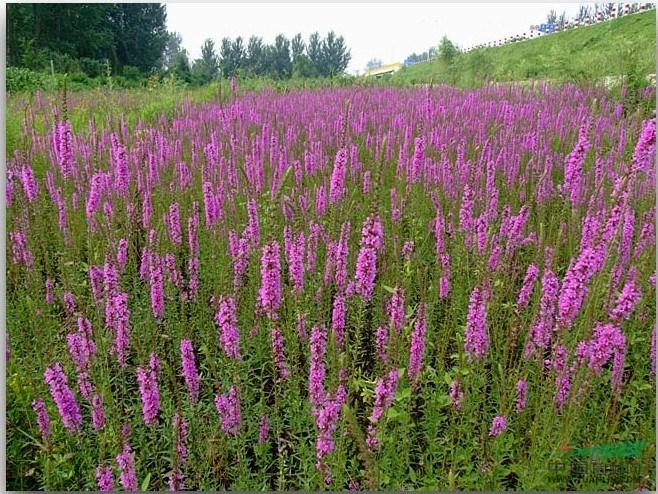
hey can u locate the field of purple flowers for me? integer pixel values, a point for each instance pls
(350, 288)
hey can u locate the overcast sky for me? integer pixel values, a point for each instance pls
(387, 31)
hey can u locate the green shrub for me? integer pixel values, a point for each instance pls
(131, 73)
(91, 67)
(20, 79)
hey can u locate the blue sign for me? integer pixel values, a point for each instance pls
(547, 28)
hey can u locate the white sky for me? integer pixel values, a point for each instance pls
(388, 31)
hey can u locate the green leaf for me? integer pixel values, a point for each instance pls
(443, 400)
(447, 379)
(145, 482)
(388, 288)
(403, 394)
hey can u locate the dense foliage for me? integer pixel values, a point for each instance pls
(370, 288)
(121, 44)
(80, 37)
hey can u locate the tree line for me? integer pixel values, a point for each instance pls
(283, 59)
(90, 38)
(131, 41)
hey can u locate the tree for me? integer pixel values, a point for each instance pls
(140, 35)
(583, 13)
(314, 52)
(373, 63)
(255, 56)
(239, 53)
(39, 32)
(562, 20)
(172, 47)
(231, 55)
(127, 34)
(447, 51)
(551, 18)
(335, 55)
(303, 67)
(206, 68)
(297, 46)
(282, 62)
(181, 69)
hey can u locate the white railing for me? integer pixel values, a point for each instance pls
(574, 23)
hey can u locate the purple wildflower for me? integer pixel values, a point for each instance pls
(575, 285)
(263, 429)
(417, 344)
(456, 394)
(653, 351)
(157, 287)
(477, 338)
(645, 149)
(563, 387)
(126, 463)
(173, 223)
(43, 419)
(316, 373)
(407, 250)
(50, 296)
(627, 299)
(294, 249)
(29, 183)
(69, 303)
(607, 340)
(252, 232)
(104, 478)
(384, 394)
(338, 319)
(227, 321)
(541, 329)
(278, 346)
(190, 373)
(121, 324)
(270, 271)
(498, 426)
(228, 408)
(521, 395)
(239, 249)
(326, 420)
(396, 309)
(98, 412)
(337, 184)
(122, 254)
(180, 441)
(528, 285)
(148, 389)
(341, 253)
(381, 339)
(366, 271)
(63, 397)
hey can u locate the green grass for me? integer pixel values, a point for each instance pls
(618, 47)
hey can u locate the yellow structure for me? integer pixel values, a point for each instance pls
(383, 70)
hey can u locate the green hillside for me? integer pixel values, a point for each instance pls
(624, 46)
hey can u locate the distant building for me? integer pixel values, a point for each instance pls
(383, 70)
